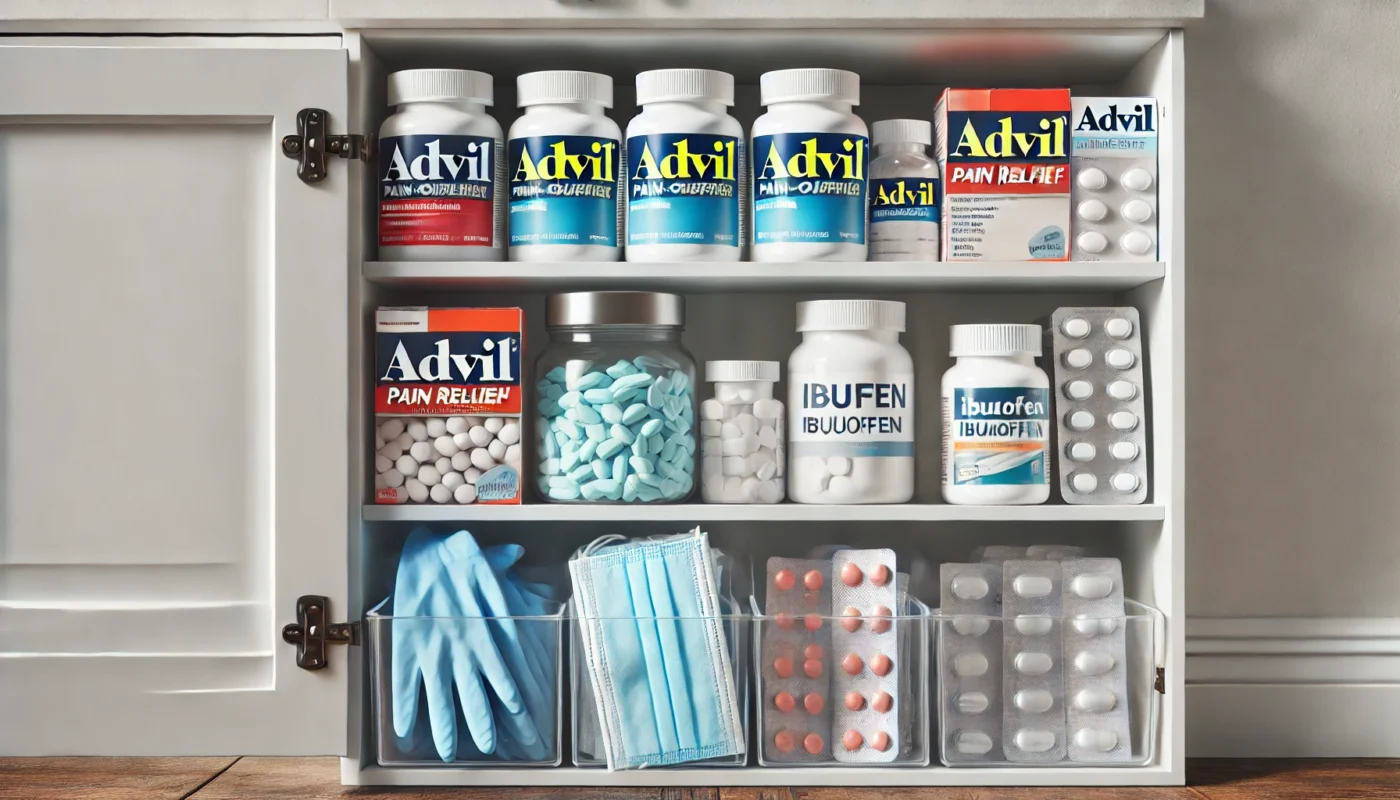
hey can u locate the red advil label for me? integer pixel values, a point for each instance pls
(447, 361)
(437, 190)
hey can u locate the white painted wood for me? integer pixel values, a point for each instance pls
(1280, 721)
(220, 10)
(174, 424)
(787, 512)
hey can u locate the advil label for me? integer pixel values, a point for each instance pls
(564, 190)
(903, 200)
(1006, 179)
(997, 435)
(809, 187)
(438, 190)
(683, 189)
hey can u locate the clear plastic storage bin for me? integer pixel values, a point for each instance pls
(1143, 649)
(417, 748)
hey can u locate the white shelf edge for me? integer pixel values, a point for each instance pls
(783, 512)
(751, 276)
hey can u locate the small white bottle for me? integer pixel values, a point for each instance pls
(741, 434)
(687, 192)
(996, 417)
(850, 405)
(903, 192)
(441, 169)
(565, 169)
(807, 144)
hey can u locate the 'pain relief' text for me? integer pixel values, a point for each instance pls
(1010, 174)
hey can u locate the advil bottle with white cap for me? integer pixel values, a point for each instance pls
(903, 192)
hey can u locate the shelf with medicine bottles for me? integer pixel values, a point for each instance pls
(781, 512)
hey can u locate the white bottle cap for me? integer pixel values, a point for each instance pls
(797, 85)
(741, 371)
(994, 340)
(427, 85)
(563, 86)
(681, 85)
(901, 131)
(849, 315)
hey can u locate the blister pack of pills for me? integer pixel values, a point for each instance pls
(1097, 370)
(796, 685)
(865, 650)
(1095, 648)
(970, 662)
(1114, 168)
(1053, 552)
(1033, 719)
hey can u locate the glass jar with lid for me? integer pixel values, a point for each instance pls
(615, 400)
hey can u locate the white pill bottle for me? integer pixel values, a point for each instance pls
(810, 160)
(441, 169)
(996, 417)
(903, 192)
(565, 169)
(687, 190)
(850, 405)
(741, 431)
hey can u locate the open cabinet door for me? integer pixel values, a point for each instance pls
(174, 373)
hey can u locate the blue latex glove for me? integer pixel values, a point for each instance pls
(450, 577)
(539, 638)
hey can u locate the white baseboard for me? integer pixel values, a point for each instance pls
(1292, 686)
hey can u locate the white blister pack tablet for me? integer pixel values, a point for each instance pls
(1114, 175)
(970, 662)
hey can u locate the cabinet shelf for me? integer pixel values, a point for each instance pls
(748, 276)
(781, 512)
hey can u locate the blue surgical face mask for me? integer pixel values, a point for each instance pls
(656, 651)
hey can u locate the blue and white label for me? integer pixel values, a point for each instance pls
(563, 190)
(851, 414)
(1117, 127)
(683, 188)
(903, 200)
(809, 187)
(997, 435)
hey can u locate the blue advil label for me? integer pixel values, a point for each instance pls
(809, 187)
(903, 200)
(563, 190)
(998, 435)
(683, 189)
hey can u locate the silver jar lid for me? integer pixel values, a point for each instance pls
(614, 308)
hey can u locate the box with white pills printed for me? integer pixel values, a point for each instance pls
(447, 404)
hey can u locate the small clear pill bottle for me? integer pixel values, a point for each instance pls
(996, 417)
(809, 162)
(850, 405)
(687, 191)
(441, 169)
(903, 192)
(615, 400)
(565, 169)
(741, 434)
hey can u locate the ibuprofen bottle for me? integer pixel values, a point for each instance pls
(996, 417)
(565, 169)
(441, 169)
(850, 404)
(810, 154)
(903, 192)
(686, 191)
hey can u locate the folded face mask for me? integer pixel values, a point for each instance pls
(656, 651)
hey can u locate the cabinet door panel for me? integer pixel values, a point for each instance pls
(173, 421)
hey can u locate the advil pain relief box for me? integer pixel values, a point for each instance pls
(1004, 154)
(1115, 178)
(447, 405)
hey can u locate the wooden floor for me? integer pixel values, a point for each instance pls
(318, 778)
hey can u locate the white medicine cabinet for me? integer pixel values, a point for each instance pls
(188, 334)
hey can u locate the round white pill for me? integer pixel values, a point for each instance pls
(1124, 451)
(391, 451)
(1092, 178)
(1033, 663)
(393, 479)
(452, 480)
(461, 460)
(768, 409)
(1118, 328)
(968, 665)
(482, 460)
(766, 470)
(456, 425)
(1079, 390)
(1092, 587)
(842, 488)
(417, 430)
(446, 446)
(1091, 626)
(1031, 586)
(973, 743)
(1081, 451)
(480, 436)
(1095, 701)
(417, 492)
(749, 489)
(463, 441)
(1033, 626)
(1099, 739)
(391, 428)
(1078, 358)
(440, 493)
(466, 493)
(509, 433)
(1124, 482)
(712, 409)
(1092, 210)
(771, 491)
(428, 475)
(1136, 242)
(971, 702)
(1122, 390)
(513, 453)
(969, 587)
(408, 465)
(497, 449)
(733, 491)
(382, 463)
(1137, 179)
(404, 441)
(838, 465)
(1093, 662)
(971, 626)
(747, 423)
(1034, 701)
(472, 475)
(735, 466)
(1080, 420)
(1092, 242)
(437, 426)
(1119, 358)
(494, 424)
(730, 431)
(443, 465)
(767, 437)
(1075, 327)
(1138, 211)
(1034, 740)
(1083, 482)
(423, 451)
(1123, 420)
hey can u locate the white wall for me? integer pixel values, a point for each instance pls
(1293, 438)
